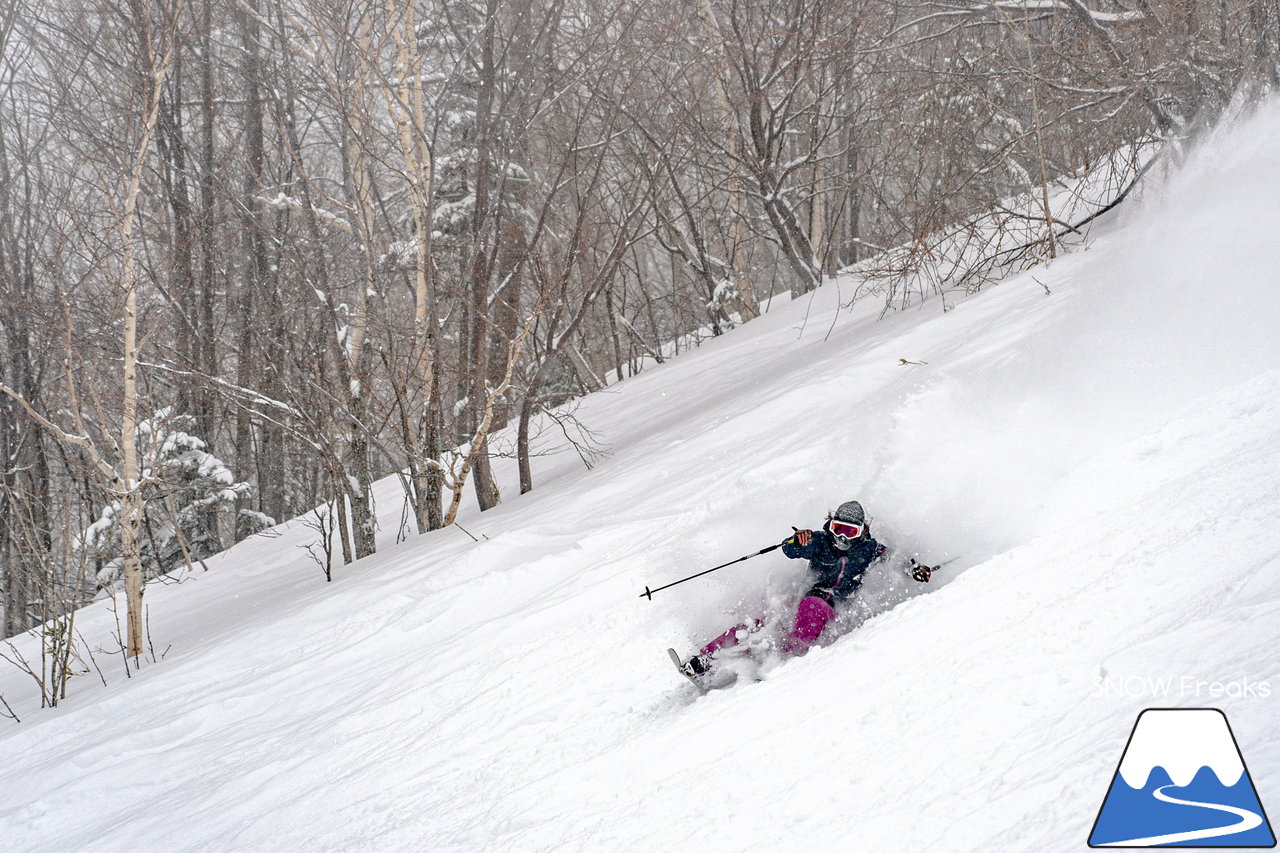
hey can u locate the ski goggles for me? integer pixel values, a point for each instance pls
(847, 530)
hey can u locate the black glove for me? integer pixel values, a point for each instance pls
(801, 538)
(921, 572)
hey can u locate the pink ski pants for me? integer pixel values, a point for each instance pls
(812, 616)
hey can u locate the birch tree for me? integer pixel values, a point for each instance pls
(147, 47)
(408, 110)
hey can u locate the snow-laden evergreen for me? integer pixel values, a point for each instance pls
(188, 491)
(1096, 443)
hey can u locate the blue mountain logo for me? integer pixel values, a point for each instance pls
(1182, 782)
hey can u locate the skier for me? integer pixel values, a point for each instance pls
(839, 555)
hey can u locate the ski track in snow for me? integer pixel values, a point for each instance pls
(1102, 459)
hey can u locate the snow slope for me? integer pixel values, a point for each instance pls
(1096, 442)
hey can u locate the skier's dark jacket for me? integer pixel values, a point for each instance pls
(839, 572)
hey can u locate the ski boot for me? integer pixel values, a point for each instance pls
(693, 668)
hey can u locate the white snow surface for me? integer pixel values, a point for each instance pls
(1102, 461)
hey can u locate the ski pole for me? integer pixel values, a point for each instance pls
(648, 593)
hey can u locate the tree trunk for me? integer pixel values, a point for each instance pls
(746, 303)
(422, 443)
(358, 125)
(615, 342)
(523, 461)
(204, 354)
(128, 487)
(257, 445)
(486, 488)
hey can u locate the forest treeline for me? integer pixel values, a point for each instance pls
(257, 254)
